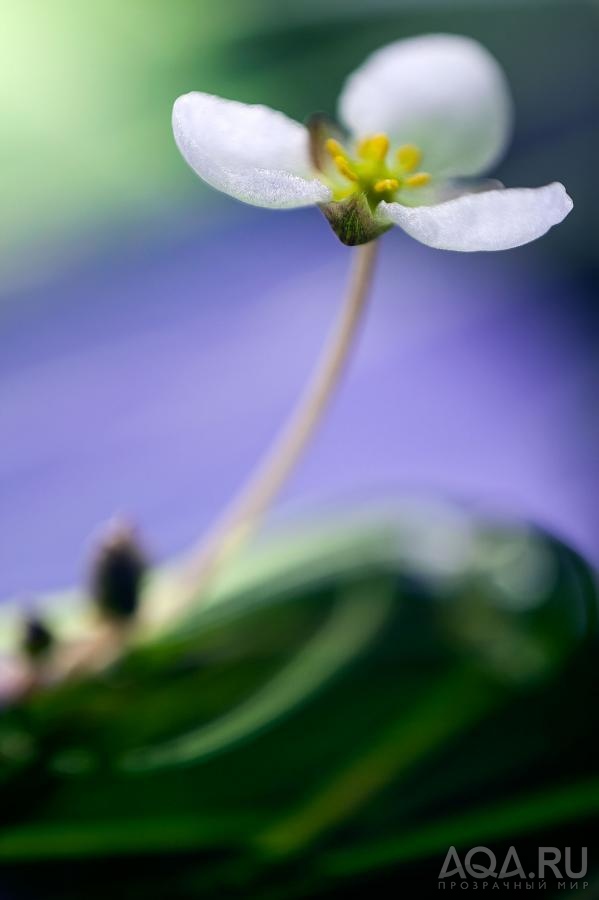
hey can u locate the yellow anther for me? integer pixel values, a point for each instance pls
(386, 184)
(409, 156)
(374, 148)
(418, 179)
(334, 147)
(344, 167)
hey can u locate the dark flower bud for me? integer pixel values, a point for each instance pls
(117, 572)
(37, 638)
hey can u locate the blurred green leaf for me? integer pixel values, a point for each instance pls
(339, 708)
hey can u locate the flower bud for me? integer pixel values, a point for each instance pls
(37, 638)
(117, 572)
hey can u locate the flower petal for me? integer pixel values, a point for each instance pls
(492, 220)
(253, 153)
(443, 92)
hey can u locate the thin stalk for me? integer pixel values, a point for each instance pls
(245, 513)
(106, 643)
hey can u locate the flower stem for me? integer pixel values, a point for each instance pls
(107, 642)
(248, 508)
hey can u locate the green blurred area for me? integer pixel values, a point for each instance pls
(87, 88)
(347, 706)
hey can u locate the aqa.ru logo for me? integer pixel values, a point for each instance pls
(481, 863)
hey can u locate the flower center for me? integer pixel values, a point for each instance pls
(370, 171)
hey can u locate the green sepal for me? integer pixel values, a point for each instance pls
(352, 220)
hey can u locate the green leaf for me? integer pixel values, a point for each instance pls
(348, 701)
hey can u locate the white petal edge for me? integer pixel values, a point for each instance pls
(444, 92)
(254, 153)
(492, 220)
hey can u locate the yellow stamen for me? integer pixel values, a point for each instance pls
(409, 156)
(374, 148)
(334, 147)
(418, 179)
(386, 184)
(344, 167)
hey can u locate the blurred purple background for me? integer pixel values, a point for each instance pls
(149, 381)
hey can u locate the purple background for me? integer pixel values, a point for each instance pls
(149, 381)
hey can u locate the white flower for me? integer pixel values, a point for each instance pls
(419, 114)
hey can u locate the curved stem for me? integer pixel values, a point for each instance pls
(247, 509)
